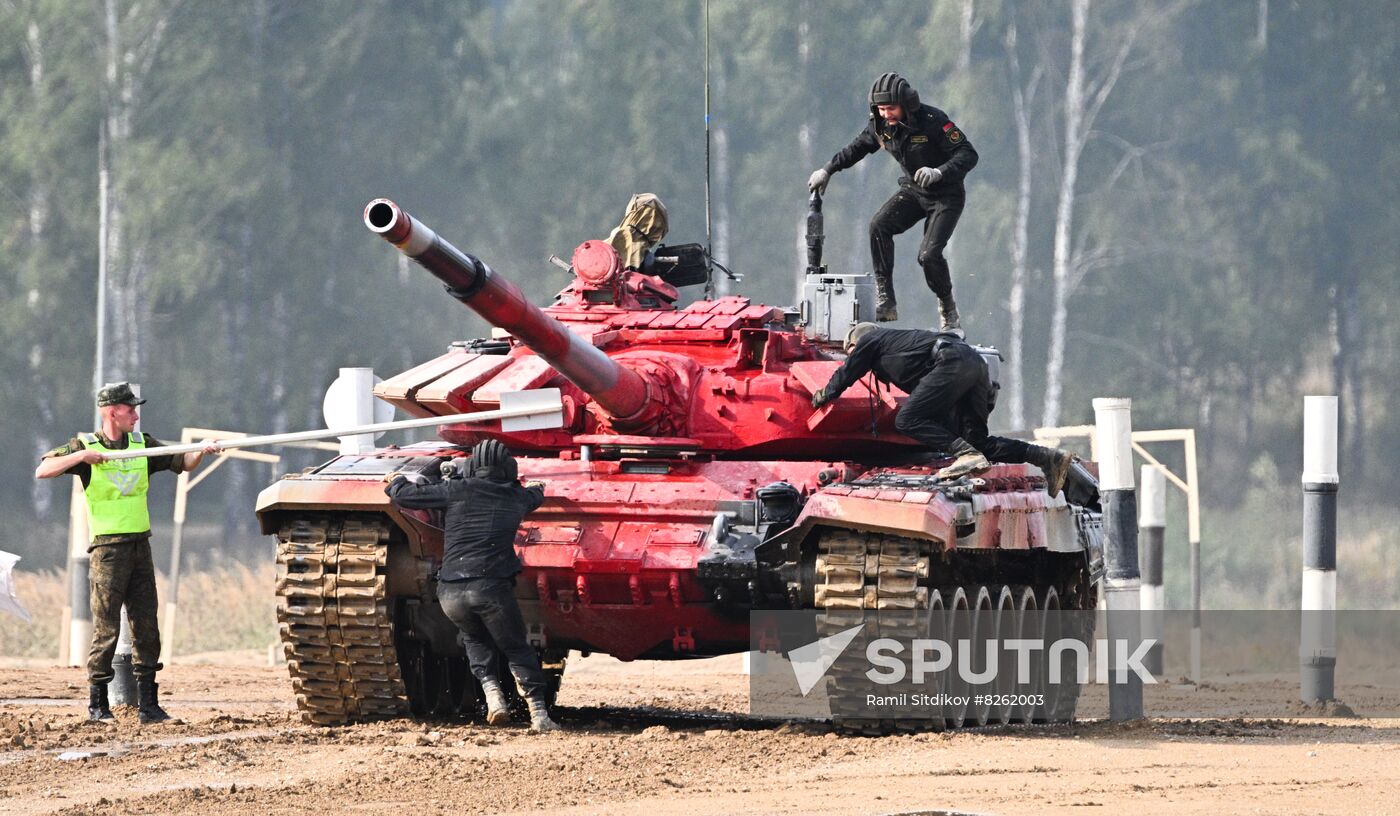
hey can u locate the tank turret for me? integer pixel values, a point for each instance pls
(717, 376)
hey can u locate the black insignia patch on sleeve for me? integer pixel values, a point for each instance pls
(955, 136)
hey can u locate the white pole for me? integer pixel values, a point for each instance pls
(1113, 434)
(1317, 651)
(1152, 523)
(123, 686)
(361, 411)
(1193, 543)
(533, 410)
(79, 600)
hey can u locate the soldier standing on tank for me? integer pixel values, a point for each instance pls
(476, 583)
(950, 398)
(119, 524)
(935, 156)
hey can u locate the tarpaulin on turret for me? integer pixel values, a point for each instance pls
(644, 224)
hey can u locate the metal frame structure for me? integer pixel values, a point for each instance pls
(1189, 484)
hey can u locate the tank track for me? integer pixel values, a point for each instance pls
(334, 621)
(858, 572)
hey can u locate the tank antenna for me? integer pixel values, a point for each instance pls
(709, 242)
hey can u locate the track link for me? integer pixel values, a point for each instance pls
(858, 572)
(333, 617)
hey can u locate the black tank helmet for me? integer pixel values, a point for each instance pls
(492, 460)
(893, 89)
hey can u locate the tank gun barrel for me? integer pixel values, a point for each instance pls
(617, 389)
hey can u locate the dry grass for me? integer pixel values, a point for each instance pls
(224, 608)
(43, 594)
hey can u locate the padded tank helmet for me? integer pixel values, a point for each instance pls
(892, 89)
(492, 460)
(855, 333)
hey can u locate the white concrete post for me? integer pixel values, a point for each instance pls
(122, 690)
(1317, 652)
(79, 575)
(1113, 432)
(1152, 523)
(361, 394)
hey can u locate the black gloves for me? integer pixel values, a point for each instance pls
(822, 397)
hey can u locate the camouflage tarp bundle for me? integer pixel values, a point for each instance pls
(643, 226)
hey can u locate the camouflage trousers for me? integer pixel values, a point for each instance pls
(123, 574)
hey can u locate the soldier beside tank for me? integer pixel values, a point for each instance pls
(950, 397)
(484, 503)
(935, 156)
(119, 524)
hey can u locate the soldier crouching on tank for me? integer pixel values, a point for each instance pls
(485, 504)
(950, 398)
(935, 156)
(119, 522)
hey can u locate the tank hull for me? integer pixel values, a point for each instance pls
(648, 558)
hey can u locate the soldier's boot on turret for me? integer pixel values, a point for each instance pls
(148, 708)
(1055, 463)
(948, 314)
(886, 310)
(540, 722)
(98, 709)
(497, 710)
(969, 461)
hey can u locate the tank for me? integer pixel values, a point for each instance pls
(691, 483)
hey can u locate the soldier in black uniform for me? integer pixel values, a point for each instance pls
(950, 398)
(476, 583)
(935, 155)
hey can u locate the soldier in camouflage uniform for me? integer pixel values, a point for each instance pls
(120, 549)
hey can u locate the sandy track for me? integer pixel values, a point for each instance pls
(653, 739)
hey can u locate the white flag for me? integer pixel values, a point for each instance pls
(8, 600)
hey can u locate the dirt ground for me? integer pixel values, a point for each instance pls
(654, 739)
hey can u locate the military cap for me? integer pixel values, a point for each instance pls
(117, 394)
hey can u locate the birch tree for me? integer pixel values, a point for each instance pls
(133, 39)
(1084, 98)
(805, 149)
(1022, 96)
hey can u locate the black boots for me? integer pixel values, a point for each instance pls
(885, 308)
(98, 709)
(948, 314)
(148, 702)
(1055, 463)
(540, 723)
(497, 709)
(969, 461)
(148, 708)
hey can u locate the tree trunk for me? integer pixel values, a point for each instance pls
(1021, 97)
(805, 151)
(41, 490)
(1083, 101)
(860, 230)
(720, 193)
(1064, 215)
(967, 28)
(116, 131)
(127, 266)
(1344, 336)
